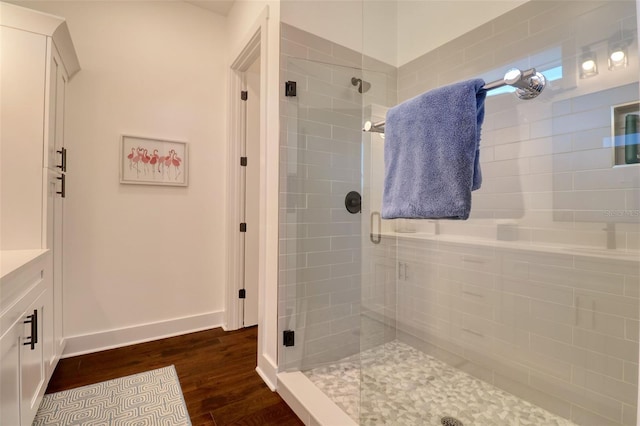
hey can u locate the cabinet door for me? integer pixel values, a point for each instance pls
(50, 113)
(54, 115)
(58, 279)
(22, 66)
(61, 84)
(10, 348)
(32, 362)
(56, 163)
(54, 235)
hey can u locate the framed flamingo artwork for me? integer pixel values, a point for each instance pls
(145, 161)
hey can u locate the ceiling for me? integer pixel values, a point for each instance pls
(221, 7)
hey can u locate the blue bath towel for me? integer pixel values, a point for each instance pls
(431, 153)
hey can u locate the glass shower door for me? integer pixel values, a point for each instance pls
(320, 239)
(336, 264)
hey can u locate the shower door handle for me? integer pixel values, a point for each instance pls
(375, 238)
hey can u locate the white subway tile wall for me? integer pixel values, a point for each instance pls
(560, 330)
(547, 162)
(527, 321)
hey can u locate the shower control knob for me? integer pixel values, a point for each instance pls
(353, 202)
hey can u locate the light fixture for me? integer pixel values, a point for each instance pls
(588, 64)
(619, 43)
(618, 57)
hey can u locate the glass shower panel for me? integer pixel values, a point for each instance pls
(527, 313)
(321, 253)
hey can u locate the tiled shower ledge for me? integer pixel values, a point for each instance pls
(584, 251)
(403, 386)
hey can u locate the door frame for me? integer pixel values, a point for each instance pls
(253, 48)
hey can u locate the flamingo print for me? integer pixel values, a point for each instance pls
(145, 160)
(166, 164)
(147, 165)
(136, 159)
(175, 160)
(154, 160)
(130, 157)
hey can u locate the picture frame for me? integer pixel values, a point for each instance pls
(149, 161)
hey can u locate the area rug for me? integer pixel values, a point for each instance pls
(150, 398)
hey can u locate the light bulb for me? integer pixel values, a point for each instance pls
(589, 65)
(617, 56)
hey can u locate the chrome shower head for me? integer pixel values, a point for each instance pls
(363, 86)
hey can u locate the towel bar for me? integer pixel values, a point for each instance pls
(528, 85)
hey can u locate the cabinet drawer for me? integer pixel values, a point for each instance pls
(20, 288)
(473, 259)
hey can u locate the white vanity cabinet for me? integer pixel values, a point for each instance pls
(24, 330)
(37, 60)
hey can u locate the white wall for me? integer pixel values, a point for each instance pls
(424, 25)
(136, 255)
(380, 29)
(337, 21)
(345, 23)
(395, 31)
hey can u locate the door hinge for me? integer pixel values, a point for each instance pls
(290, 88)
(243, 227)
(243, 161)
(242, 294)
(288, 338)
(244, 95)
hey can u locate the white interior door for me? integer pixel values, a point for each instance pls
(252, 195)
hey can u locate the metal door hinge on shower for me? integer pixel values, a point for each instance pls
(290, 88)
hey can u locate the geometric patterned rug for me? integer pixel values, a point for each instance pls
(150, 398)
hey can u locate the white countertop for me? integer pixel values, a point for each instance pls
(613, 254)
(11, 260)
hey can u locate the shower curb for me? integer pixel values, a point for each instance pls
(309, 403)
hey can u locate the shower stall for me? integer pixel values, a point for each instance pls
(527, 312)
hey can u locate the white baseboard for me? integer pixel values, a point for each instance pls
(268, 371)
(110, 339)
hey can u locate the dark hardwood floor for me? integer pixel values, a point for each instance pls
(216, 371)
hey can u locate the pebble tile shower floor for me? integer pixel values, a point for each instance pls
(403, 386)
